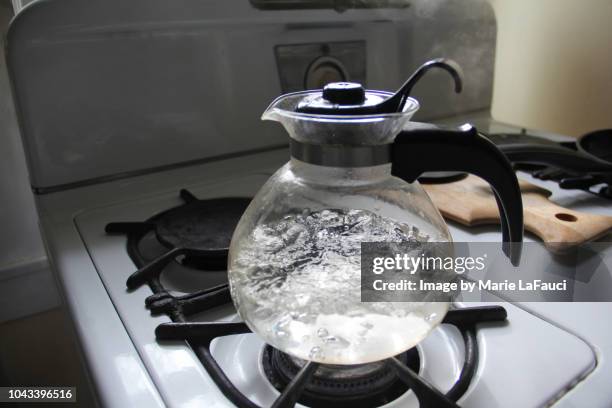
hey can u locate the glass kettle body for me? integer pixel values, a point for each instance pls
(294, 261)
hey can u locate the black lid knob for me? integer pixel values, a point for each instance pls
(344, 93)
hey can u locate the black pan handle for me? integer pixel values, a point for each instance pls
(417, 151)
(557, 156)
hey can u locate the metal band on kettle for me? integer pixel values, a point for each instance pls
(341, 155)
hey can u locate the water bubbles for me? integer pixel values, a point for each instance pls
(297, 282)
(431, 317)
(336, 342)
(322, 332)
(315, 353)
(302, 299)
(279, 328)
(280, 333)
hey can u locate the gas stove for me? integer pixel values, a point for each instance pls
(199, 232)
(173, 338)
(241, 357)
(124, 104)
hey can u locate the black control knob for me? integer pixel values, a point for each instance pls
(344, 93)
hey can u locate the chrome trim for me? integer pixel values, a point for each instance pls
(341, 155)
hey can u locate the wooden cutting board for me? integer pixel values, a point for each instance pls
(471, 202)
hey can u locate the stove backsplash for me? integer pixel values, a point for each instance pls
(109, 87)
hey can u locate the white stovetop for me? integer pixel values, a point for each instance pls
(545, 350)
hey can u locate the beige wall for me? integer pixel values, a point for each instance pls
(553, 67)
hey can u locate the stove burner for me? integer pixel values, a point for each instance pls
(206, 226)
(360, 386)
(200, 336)
(199, 230)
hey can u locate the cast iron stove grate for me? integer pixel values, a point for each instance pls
(301, 382)
(594, 183)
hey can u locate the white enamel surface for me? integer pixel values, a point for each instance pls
(174, 368)
(175, 75)
(531, 361)
(108, 348)
(116, 370)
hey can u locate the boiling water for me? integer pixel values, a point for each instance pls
(296, 283)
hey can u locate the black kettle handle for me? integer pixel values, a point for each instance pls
(417, 151)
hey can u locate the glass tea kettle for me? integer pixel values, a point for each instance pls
(294, 259)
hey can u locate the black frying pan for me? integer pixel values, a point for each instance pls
(598, 143)
(591, 154)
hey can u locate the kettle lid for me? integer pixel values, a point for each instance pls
(350, 98)
(341, 98)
